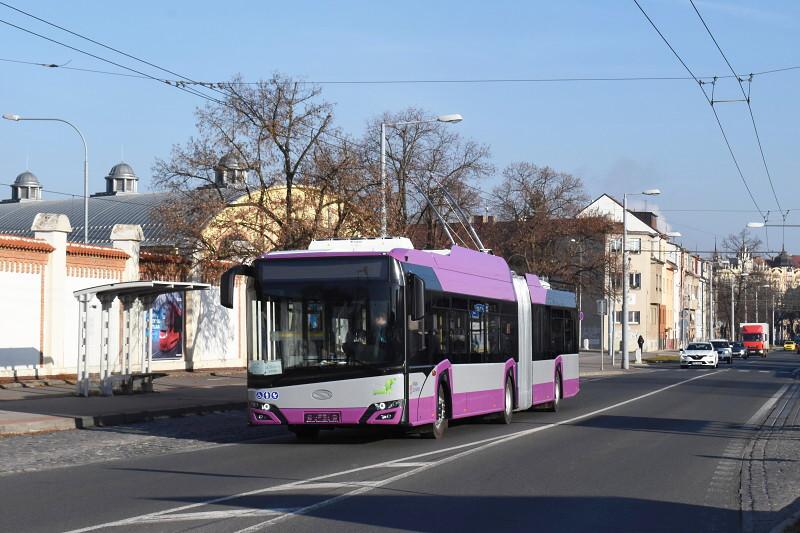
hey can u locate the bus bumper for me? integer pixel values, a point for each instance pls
(379, 413)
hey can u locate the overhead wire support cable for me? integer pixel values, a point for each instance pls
(98, 43)
(26, 30)
(746, 99)
(713, 109)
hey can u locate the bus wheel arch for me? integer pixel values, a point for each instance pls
(443, 407)
(558, 391)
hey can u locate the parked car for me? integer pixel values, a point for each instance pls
(738, 349)
(789, 345)
(699, 354)
(724, 350)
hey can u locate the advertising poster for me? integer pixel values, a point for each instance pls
(167, 333)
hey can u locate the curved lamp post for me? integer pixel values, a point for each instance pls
(451, 118)
(647, 192)
(17, 118)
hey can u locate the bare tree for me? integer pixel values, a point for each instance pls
(742, 242)
(281, 133)
(422, 157)
(537, 208)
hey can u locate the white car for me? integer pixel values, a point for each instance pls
(724, 350)
(699, 354)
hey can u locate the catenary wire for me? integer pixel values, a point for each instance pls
(746, 99)
(26, 30)
(98, 43)
(713, 109)
(218, 84)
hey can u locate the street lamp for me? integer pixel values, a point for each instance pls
(648, 192)
(451, 118)
(755, 224)
(17, 118)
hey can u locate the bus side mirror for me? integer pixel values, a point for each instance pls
(227, 283)
(417, 297)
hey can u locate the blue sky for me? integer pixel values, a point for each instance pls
(618, 136)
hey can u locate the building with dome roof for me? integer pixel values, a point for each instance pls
(122, 203)
(230, 171)
(25, 187)
(120, 180)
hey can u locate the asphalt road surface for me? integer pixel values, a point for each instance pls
(646, 451)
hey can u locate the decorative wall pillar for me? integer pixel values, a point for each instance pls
(53, 228)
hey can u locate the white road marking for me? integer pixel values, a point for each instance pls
(763, 371)
(764, 409)
(364, 487)
(217, 515)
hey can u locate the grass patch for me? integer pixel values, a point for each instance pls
(662, 359)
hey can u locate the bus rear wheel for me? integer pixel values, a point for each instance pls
(554, 405)
(508, 403)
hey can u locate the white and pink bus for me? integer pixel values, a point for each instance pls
(374, 332)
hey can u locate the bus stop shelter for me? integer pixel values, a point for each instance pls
(136, 299)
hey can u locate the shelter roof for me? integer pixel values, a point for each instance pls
(139, 288)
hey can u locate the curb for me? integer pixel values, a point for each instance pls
(118, 419)
(49, 423)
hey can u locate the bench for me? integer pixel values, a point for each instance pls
(127, 382)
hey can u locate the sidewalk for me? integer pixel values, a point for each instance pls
(50, 405)
(54, 407)
(590, 363)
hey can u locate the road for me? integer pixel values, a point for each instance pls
(647, 451)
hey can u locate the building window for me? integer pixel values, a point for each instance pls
(635, 280)
(633, 317)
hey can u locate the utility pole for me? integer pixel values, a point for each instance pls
(711, 300)
(733, 316)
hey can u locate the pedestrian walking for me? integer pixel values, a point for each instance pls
(640, 342)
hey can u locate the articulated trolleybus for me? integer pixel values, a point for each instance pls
(374, 332)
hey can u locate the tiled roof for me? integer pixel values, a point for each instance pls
(23, 243)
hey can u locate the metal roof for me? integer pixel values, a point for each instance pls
(27, 179)
(104, 212)
(121, 170)
(16, 218)
(140, 288)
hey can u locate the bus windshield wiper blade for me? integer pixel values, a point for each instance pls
(332, 362)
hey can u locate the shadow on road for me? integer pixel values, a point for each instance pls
(431, 512)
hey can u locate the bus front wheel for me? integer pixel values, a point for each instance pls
(441, 423)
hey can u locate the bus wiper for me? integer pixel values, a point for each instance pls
(332, 362)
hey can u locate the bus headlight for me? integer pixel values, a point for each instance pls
(259, 405)
(382, 406)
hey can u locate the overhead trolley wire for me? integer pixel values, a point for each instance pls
(746, 99)
(26, 30)
(713, 109)
(98, 43)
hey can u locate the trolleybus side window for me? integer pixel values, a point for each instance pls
(554, 332)
(464, 331)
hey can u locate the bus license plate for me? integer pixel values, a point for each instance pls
(322, 418)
